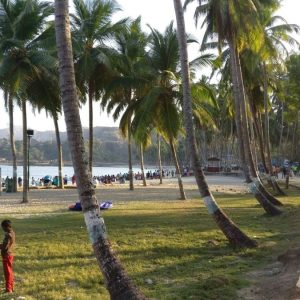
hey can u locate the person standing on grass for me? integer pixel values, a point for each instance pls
(7, 247)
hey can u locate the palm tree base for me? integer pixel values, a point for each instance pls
(277, 187)
(118, 283)
(234, 235)
(269, 208)
(266, 194)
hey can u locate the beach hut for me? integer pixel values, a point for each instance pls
(213, 165)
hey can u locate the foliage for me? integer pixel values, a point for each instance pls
(105, 151)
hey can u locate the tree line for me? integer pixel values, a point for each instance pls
(112, 152)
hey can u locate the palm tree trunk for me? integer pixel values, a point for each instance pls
(255, 185)
(159, 158)
(59, 153)
(281, 132)
(293, 152)
(117, 281)
(258, 132)
(91, 129)
(25, 154)
(257, 182)
(259, 138)
(253, 144)
(261, 150)
(12, 140)
(267, 126)
(274, 183)
(142, 165)
(234, 235)
(130, 172)
(178, 172)
(287, 140)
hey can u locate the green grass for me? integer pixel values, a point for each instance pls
(175, 244)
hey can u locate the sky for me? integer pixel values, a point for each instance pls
(157, 13)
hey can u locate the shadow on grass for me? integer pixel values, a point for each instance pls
(177, 245)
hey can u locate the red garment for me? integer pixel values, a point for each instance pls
(8, 272)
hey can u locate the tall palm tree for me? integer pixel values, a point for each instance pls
(235, 236)
(277, 32)
(160, 107)
(118, 283)
(238, 24)
(23, 27)
(128, 80)
(43, 93)
(92, 29)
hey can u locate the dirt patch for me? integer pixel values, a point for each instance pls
(279, 281)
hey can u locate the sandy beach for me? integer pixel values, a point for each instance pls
(52, 200)
(46, 200)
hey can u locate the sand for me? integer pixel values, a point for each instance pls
(49, 200)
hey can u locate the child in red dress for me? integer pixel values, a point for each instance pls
(7, 247)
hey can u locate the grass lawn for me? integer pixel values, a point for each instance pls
(172, 249)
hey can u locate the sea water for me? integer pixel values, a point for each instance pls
(40, 171)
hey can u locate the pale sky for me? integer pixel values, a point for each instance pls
(157, 13)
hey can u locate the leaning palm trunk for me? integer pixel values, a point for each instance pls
(117, 281)
(272, 179)
(59, 153)
(262, 155)
(256, 187)
(142, 165)
(25, 154)
(259, 139)
(234, 235)
(245, 137)
(178, 172)
(159, 158)
(91, 129)
(12, 140)
(258, 132)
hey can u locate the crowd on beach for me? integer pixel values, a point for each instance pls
(97, 180)
(292, 169)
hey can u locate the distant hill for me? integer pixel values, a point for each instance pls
(109, 147)
(105, 134)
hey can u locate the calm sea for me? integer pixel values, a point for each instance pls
(41, 171)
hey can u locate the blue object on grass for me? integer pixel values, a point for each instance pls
(102, 206)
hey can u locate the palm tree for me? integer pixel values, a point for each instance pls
(235, 236)
(43, 93)
(275, 34)
(118, 283)
(159, 108)
(128, 80)
(142, 140)
(23, 55)
(238, 24)
(92, 28)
